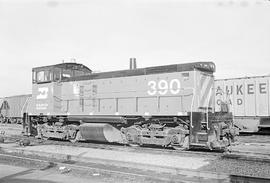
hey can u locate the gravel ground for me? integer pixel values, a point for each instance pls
(91, 173)
(239, 167)
(264, 139)
(219, 166)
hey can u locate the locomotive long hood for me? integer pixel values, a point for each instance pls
(202, 66)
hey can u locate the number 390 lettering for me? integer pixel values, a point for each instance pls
(162, 87)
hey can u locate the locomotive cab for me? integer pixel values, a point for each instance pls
(59, 72)
(46, 86)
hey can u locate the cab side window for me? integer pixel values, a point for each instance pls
(57, 74)
(66, 73)
(34, 79)
(78, 73)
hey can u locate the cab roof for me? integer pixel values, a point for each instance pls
(66, 65)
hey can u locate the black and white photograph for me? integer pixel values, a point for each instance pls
(134, 91)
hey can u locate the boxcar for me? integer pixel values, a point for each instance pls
(13, 107)
(169, 105)
(249, 100)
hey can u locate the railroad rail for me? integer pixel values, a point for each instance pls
(244, 139)
(247, 139)
(115, 146)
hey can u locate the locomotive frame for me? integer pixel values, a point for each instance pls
(169, 105)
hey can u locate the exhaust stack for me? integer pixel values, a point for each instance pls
(132, 63)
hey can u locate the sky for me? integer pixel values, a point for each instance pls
(104, 34)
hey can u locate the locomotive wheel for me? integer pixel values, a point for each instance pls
(184, 146)
(132, 136)
(77, 138)
(175, 142)
(40, 133)
(45, 138)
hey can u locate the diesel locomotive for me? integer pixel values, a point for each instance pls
(169, 106)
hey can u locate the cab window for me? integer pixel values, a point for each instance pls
(66, 73)
(57, 74)
(78, 73)
(34, 80)
(43, 76)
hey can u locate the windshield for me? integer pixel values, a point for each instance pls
(42, 76)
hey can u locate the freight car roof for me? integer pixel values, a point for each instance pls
(18, 96)
(202, 66)
(245, 77)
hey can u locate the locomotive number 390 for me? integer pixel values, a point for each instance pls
(162, 87)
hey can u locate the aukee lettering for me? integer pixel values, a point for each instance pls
(240, 90)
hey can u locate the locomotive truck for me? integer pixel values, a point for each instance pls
(169, 106)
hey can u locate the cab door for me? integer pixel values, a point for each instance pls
(57, 97)
(57, 91)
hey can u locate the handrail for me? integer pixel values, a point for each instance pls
(24, 105)
(207, 119)
(193, 98)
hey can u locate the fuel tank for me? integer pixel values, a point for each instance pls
(101, 132)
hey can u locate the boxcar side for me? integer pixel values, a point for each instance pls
(249, 100)
(13, 107)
